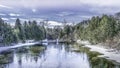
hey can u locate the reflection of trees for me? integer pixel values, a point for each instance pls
(19, 56)
(67, 47)
(97, 62)
(19, 53)
(5, 59)
(37, 51)
(30, 53)
(43, 56)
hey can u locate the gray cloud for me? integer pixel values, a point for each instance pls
(40, 3)
(108, 6)
(73, 10)
(61, 3)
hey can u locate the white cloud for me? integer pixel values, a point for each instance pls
(62, 14)
(6, 19)
(13, 14)
(34, 10)
(3, 6)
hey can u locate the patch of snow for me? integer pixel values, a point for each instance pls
(29, 41)
(17, 45)
(110, 55)
(54, 23)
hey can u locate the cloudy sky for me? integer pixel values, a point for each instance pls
(57, 10)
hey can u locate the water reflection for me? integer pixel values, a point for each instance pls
(53, 56)
(6, 58)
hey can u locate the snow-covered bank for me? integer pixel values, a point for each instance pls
(107, 53)
(17, 45)
(29, 43)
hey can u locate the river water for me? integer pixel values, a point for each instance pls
(53, 56)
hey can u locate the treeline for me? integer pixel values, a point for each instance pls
(99, 29)
(6, 33)
(67, 33)
(96, 30)
(30, 30)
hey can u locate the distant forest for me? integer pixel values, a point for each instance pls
(98, 29)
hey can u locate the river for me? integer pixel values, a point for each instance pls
(53, 56)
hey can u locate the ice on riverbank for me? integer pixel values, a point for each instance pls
(107, 53)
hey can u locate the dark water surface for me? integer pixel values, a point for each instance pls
(53, 56)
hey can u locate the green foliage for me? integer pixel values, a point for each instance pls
(36, 49)
(21, 32)
(29, 30)
(6, 33)
(98, 29)
(20, 29)
(68, 33)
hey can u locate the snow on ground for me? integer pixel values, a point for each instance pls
(17, 45)
(107, 54)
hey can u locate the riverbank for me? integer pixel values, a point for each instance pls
(29, 43)
(17, 45)
(107, 53)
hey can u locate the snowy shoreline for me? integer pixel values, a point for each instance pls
(17, 45)
(111, 55)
